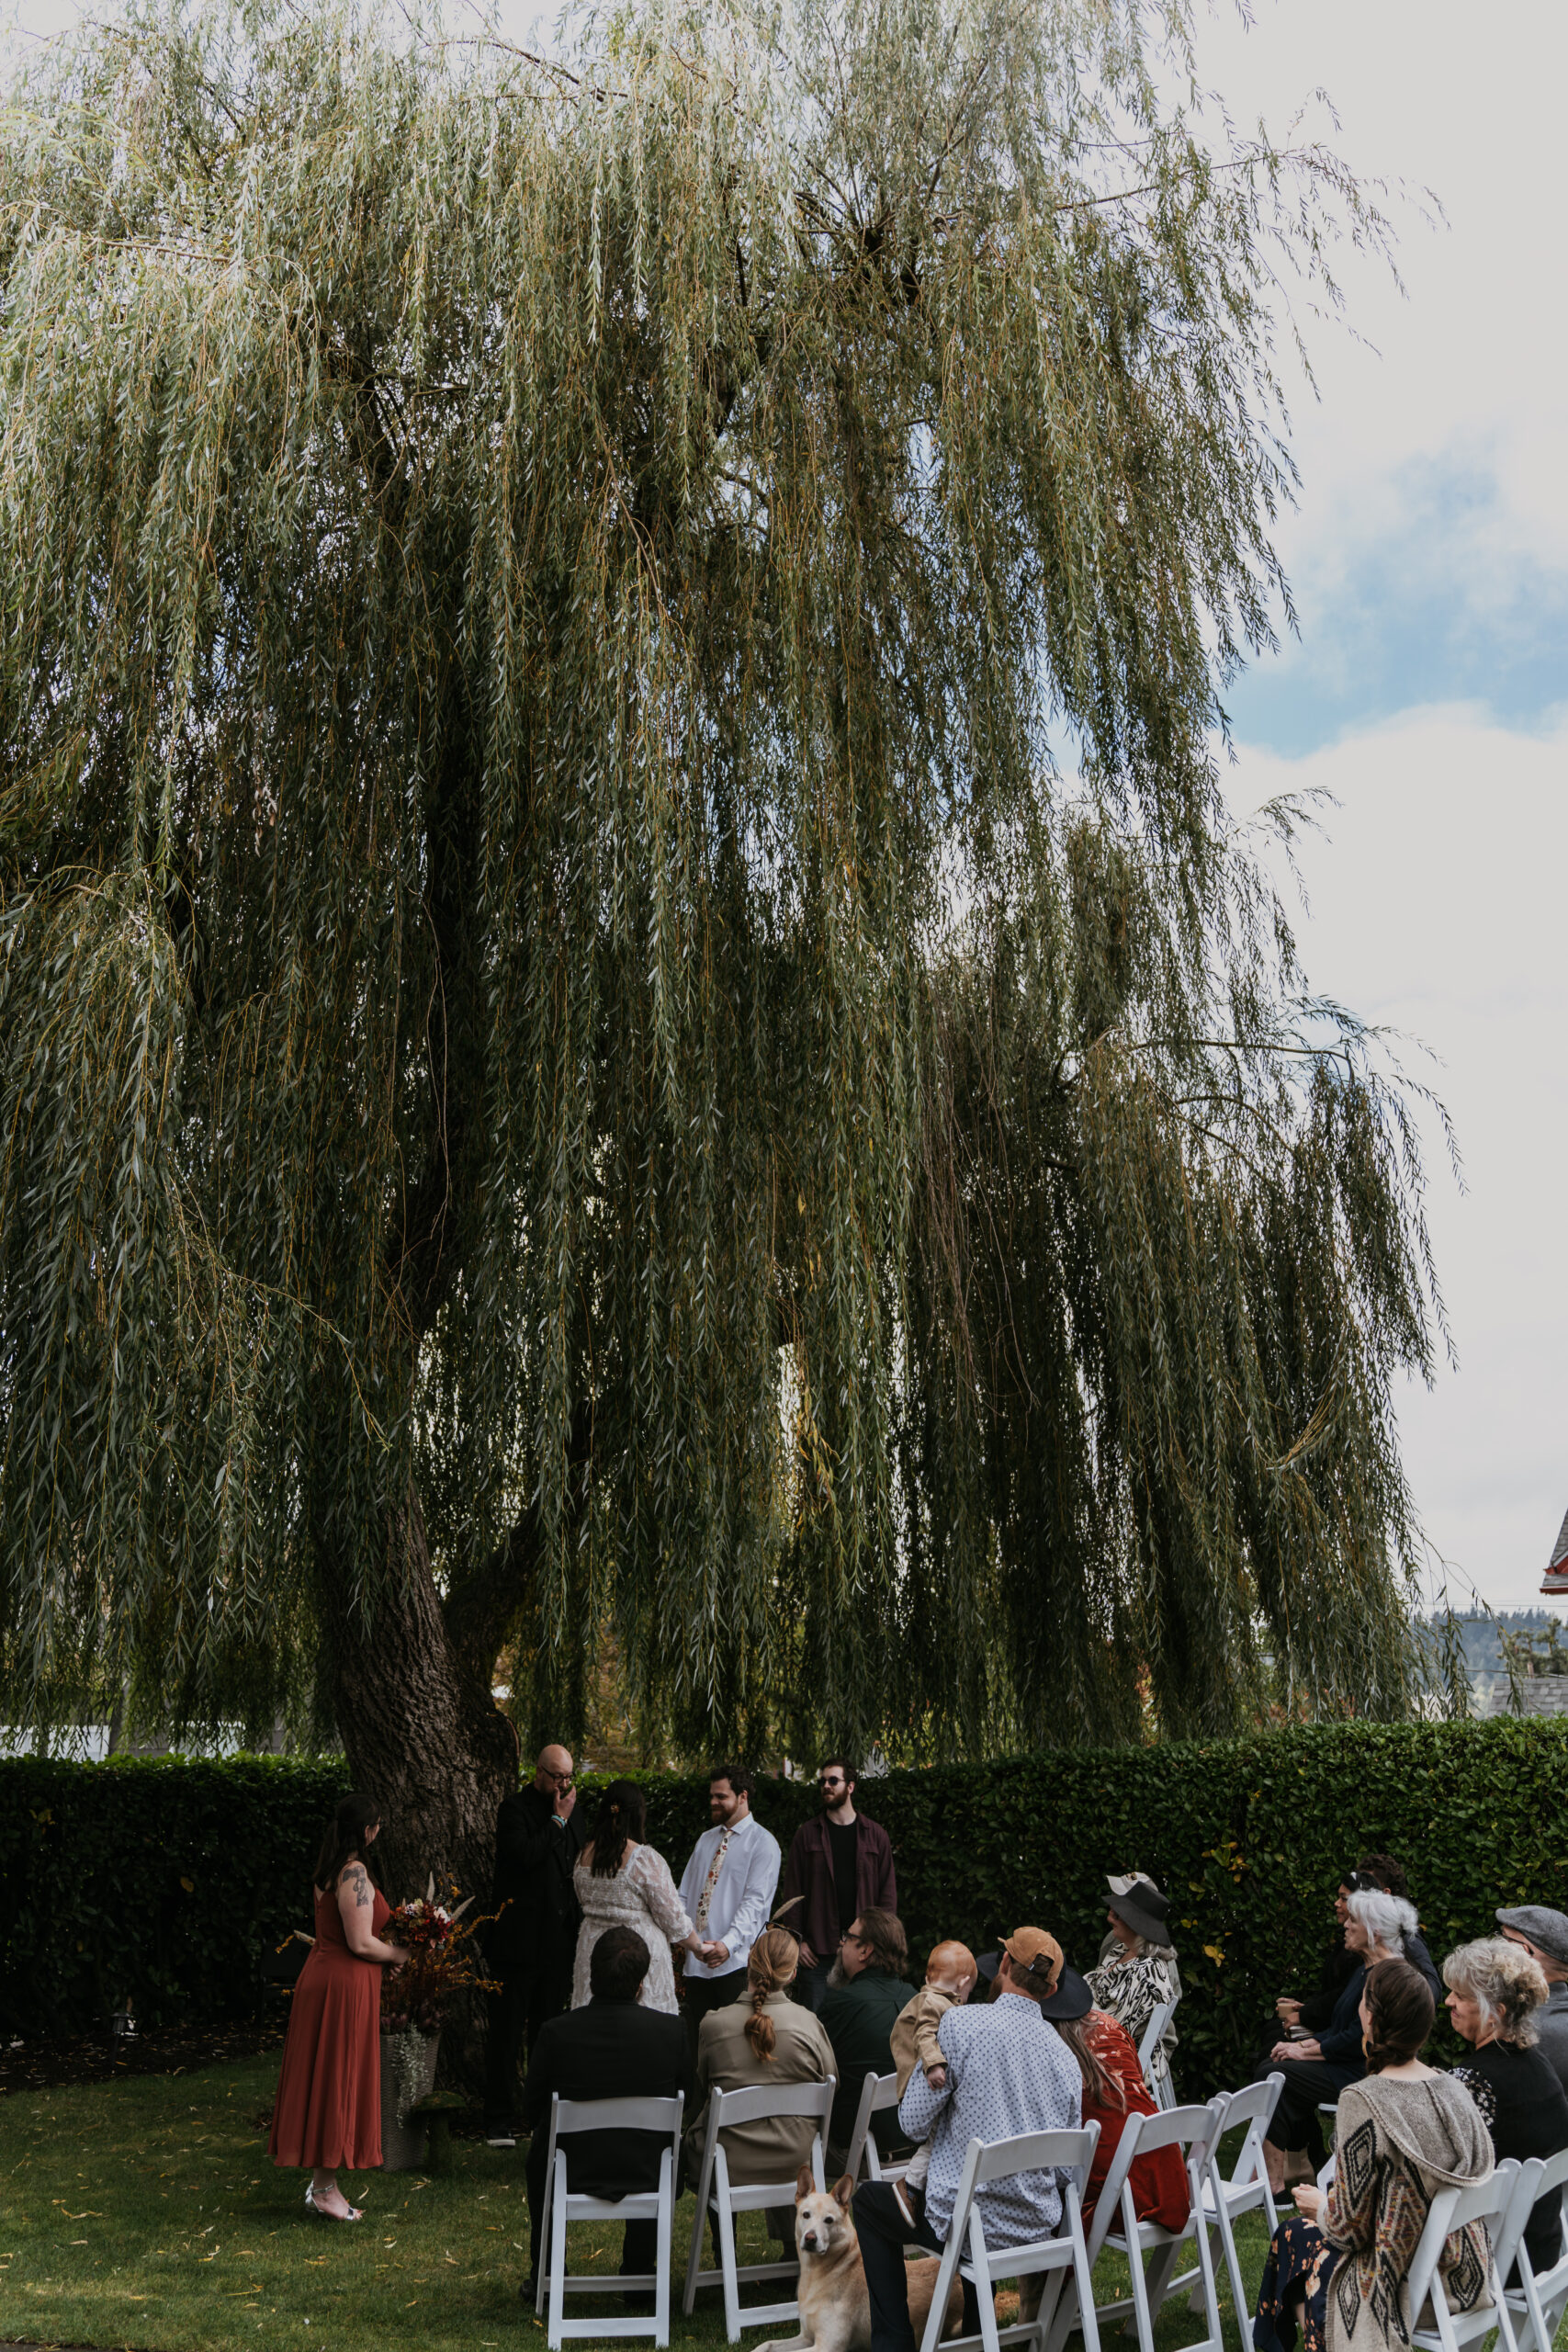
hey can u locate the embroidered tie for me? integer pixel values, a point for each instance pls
(705, 1898)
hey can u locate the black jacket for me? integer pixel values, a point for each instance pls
(1317, 2009)
(1523, 2107)
(534, 1860)
(610, 2049)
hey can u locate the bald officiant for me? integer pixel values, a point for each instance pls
(539, 1834)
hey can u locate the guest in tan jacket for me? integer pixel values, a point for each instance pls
(764, 2039)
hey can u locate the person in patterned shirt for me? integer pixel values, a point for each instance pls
(1007, 2072)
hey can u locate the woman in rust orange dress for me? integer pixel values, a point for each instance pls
(329, 2087)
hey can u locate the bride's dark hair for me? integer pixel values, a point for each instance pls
(622, 1815)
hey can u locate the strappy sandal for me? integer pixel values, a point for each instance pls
(320, 2212)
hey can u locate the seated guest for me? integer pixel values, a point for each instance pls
(767, 2038)
(951, 1976)
(867, 1991)
(1113, 2090)
(1405, 2132)
(1007, 2072)
(1139, 1976)
(1544, 1935)
(1375, 1927)
(1383, 1871)
(1495, 1991)
(612, 2048)
(1314, 2011)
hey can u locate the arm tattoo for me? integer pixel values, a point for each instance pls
(361, 1885)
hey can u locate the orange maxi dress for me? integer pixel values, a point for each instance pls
(329, 2086)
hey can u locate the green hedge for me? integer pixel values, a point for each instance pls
(175, 1881)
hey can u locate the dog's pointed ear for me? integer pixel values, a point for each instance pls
(844, 2189)
(803, 2183)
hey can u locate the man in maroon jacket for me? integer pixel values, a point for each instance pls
(838, 1865)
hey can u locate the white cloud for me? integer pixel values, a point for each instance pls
(1470, 366)
(1437, 906)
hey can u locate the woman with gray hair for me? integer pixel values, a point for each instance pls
(1494, 1990)
(1376, 1926)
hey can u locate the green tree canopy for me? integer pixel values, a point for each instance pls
(628, 999)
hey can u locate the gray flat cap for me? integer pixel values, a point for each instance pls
(1547, 1931)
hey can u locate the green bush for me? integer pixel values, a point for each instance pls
(175, 1881)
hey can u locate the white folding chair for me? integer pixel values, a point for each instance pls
(878, 2093)
(1052, 2260)
(1247, 2189)
(1161, 2090)
(563, 2205)
(1193, 2130)
(1489, 2200)
(719, 2200)
(1539, 2302)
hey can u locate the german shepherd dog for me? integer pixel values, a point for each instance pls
(835, 2309)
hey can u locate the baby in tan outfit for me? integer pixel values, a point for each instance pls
(950, 1978)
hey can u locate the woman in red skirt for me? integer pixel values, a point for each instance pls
(329, 2087)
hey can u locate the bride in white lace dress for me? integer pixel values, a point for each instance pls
(621, 1882)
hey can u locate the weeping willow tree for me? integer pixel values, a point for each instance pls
(628, 1007)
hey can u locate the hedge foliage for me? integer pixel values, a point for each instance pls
(174, 1882)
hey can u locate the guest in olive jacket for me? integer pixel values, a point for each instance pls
(866, 1994)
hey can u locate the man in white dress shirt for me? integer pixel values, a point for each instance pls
(727, 1892)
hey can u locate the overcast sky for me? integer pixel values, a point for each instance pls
(1429, 692)
(1428, 689)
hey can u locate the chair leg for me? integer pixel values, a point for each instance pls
(1143, 2318)
(558, 2273)
(1083, 2285)
(699, 2224)
(724, 2230)
(1156, 2283)
(1232, 2264)
(983, 2291)
(542, 2244)
(664, 2257)
(1539, 2328)
(1211, 2292)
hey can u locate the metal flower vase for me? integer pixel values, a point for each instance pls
(408, 2074)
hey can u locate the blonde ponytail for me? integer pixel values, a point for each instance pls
(775, 1956)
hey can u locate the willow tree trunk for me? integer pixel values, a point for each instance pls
(420, 1728)
(411, 1692)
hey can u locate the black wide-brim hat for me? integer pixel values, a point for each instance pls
(1143, 1909)
(1072, 1997)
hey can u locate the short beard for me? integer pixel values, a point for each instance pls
(836, 1975)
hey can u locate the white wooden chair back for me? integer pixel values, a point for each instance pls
(1195, 2131)
(1487, 2200)
(719, 2198)
(1247, 2189)
(1154, 2034)
(878, 2093)
(1538, 2302)
(569, 2116)
(1052, 2260)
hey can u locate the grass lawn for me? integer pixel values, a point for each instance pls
(145, 2213)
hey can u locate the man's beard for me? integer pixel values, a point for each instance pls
(836, 1973)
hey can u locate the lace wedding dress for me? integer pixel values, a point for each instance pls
(641, 1896)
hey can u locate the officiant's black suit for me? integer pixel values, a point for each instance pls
(609, 2050)
(530, 1949)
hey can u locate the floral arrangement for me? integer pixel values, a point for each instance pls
(443, 1962)
(416, 1998)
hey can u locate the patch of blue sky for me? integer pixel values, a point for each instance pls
(1435, 607)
